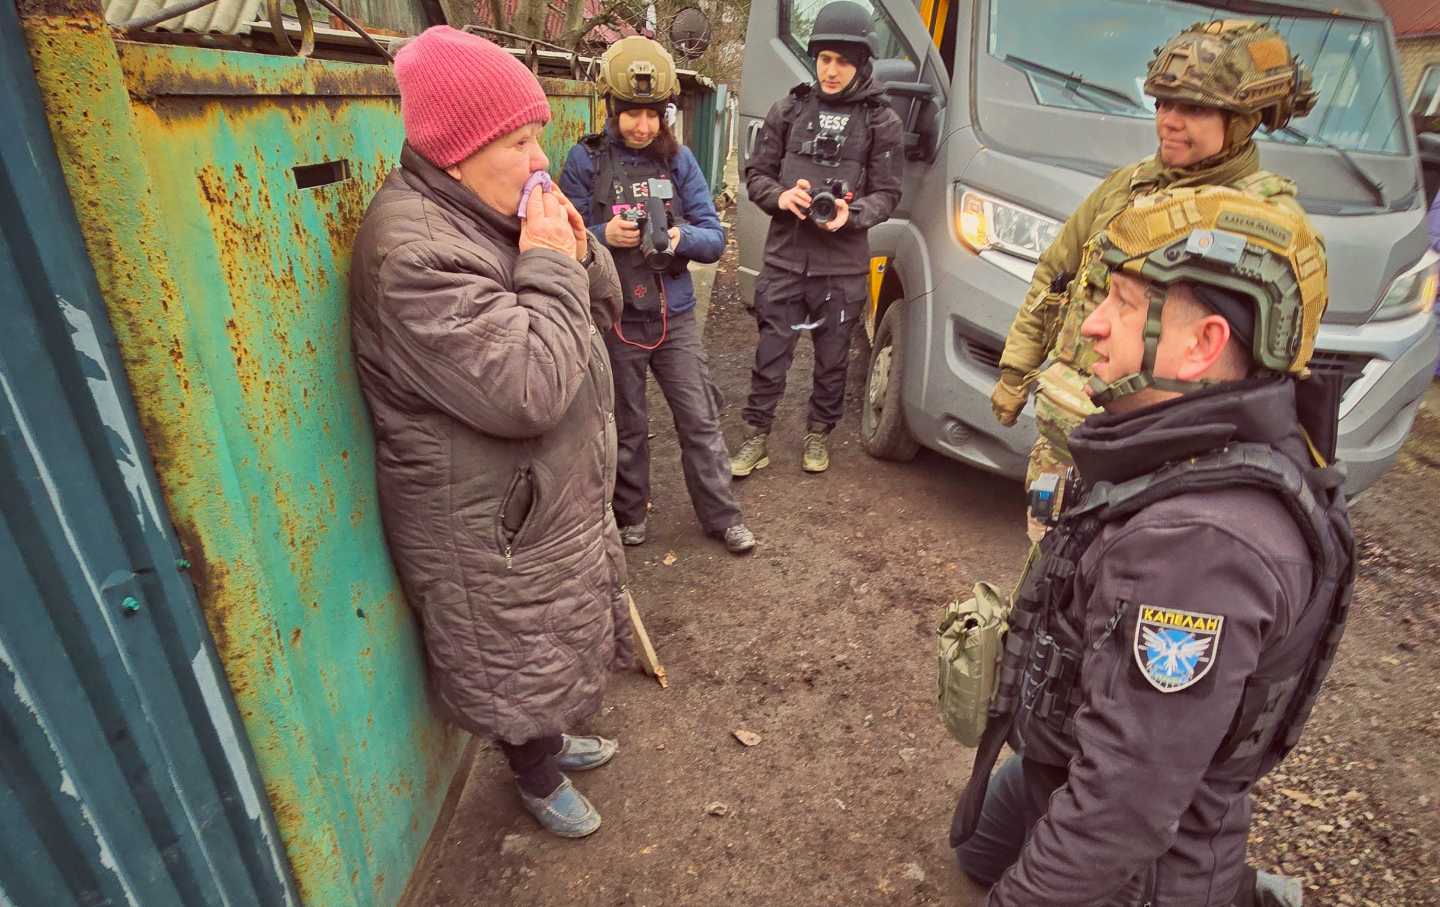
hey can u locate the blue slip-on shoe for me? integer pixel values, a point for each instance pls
(565, 812)
(578, 754)
(1273, 890)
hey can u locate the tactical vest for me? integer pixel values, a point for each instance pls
(615, 188)
(828, 144)
(1041, 665)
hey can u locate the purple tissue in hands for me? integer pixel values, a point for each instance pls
(538, 178)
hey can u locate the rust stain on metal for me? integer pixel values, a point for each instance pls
(155, 71)
(88, 11)
(225, 281)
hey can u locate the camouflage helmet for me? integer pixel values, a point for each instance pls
(1250, 247)
(1236, 65)
(637, 70)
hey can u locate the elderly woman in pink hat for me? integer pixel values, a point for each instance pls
(478, 302)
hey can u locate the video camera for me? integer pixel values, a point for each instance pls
(822, 200)
(653, 219)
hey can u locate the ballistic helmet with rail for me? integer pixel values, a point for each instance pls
(1232, 249)
(1236, 65)
(637, 72)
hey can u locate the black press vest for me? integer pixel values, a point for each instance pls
(618, 187)
(828, 145)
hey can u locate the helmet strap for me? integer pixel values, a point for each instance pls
(1102, 393)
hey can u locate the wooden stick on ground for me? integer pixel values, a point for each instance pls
(649, 661)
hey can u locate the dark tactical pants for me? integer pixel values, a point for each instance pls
(681, 371)
(1017, 798)
(784, 305)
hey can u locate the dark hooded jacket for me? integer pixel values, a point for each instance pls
(798, 246)
(490, 391)
(1147, 813)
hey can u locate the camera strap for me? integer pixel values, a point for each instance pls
(664, 322)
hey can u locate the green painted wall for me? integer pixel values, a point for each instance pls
(226, 285)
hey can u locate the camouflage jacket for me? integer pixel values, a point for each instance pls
(1059, 295)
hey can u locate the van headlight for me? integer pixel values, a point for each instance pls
(1413, 291)
(985, 222)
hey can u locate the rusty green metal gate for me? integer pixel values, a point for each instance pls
(218, 194)
(124, 777)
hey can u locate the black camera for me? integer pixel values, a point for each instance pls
(653, 219)
(822, 200)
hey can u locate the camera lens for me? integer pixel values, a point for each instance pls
(822, 207)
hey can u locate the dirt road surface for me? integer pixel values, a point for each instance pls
(822, 644)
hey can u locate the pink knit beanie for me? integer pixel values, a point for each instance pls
(459, 92)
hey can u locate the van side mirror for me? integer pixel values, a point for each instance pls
(915, 103)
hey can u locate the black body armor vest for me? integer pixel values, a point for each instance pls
(618, 188)
(828, 145)
(1043, 653)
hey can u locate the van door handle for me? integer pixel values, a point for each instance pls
(752, 135)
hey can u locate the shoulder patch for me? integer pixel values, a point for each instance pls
(1174, 649)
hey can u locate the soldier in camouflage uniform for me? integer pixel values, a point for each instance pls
(1214, 84)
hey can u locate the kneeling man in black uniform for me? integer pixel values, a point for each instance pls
(1170, 637)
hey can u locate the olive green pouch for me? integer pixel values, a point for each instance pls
(971, 642)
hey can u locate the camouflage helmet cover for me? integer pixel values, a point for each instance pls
(1237, 242)
(638, 70)
(1236, 65)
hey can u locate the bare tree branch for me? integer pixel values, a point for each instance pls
(610, 14)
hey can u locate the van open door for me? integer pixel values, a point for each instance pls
(908, 63)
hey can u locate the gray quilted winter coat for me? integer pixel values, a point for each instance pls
(493, 405)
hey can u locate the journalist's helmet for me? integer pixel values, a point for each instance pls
(1236, 65)
(638, 71)
(845, 24)
(1249, 249)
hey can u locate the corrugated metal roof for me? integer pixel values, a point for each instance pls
(226, 17)
(1413, 17)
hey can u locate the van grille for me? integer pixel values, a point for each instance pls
(1350, 366)
(981, 352)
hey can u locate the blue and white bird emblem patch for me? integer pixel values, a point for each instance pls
(1174, 649)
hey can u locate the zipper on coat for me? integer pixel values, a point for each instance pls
(504, 536)
(1120, 608)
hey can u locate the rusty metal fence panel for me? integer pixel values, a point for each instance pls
(125, 777)
(219, 194)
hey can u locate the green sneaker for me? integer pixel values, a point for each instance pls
(817, 452)
(751, 456)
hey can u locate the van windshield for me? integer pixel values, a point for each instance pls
(1092, 56)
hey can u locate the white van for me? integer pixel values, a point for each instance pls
(1016, 109)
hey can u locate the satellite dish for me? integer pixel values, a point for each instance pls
(690, 32)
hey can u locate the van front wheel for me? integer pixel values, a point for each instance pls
(882, 426)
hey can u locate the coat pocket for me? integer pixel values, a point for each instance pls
(516, 512)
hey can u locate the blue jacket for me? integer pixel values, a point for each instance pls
(702, 238)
